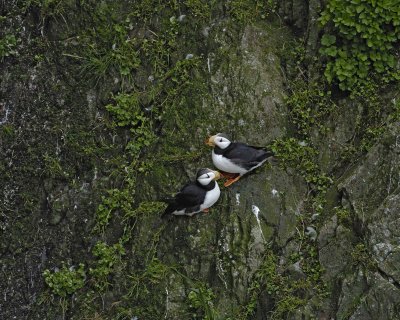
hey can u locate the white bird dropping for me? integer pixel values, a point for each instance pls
(256, 211)
(237, 198)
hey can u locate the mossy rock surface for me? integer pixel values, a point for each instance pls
(312, 234)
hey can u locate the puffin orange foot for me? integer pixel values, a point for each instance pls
(230, 181)
(206, 210)
(228, 175)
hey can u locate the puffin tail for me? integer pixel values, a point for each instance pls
(168, 211)
(268, 153)
(265, 154)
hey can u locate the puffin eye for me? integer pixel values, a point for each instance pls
(220, 140)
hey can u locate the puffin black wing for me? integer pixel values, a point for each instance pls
(246, 156)
(190, 196)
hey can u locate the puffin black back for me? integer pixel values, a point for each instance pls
(236, 158)
(195, 196)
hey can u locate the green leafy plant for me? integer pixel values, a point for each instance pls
(128, 113)
(110, 50)
(200, 299)
(107, 257)
(362, 40)
(115, 200)
(8, 45)
(65, 281)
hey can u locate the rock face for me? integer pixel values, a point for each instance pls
(247, 87)
(227, 246)
(279, 244)
(372, 191)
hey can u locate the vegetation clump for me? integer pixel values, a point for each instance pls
(360, 41)
(65, 281)
(362, 257)
(302, 157)
(8, 44)
(107, 257)
(201, 300)
(309, 104)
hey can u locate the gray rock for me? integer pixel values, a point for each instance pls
(373, 193)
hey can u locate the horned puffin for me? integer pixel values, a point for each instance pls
(197, 195)
(235, 157)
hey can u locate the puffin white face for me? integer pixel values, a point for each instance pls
(218, 140)
(206, 176)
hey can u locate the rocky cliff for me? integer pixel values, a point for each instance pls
(104, 109)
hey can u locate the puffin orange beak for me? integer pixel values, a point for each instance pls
(217, 175)
(210, 141)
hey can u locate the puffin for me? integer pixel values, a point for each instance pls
(197, 195)
(235, 159)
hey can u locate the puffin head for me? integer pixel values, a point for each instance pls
(220, 140)
(205, 176)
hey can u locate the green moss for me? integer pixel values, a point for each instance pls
(8, 131)
(152, 208)
(53, 167)
(249, 11)
(145, 289)
(377, 113)
(49, 8)
(343, 215)
(310, 105)
(201, 9)
(296, 154)
(108, 50)
(362, 257)
(281, 289)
